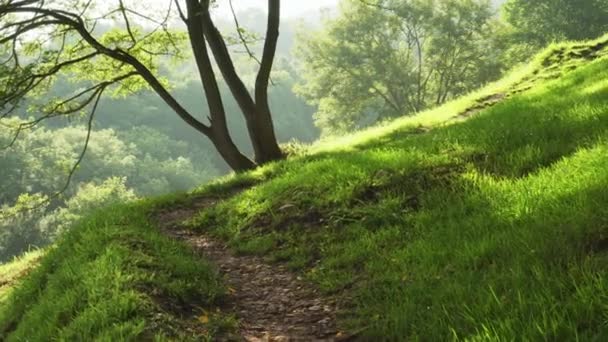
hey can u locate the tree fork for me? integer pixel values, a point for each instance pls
(257, 113)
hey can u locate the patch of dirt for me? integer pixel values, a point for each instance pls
(271, 303)
(551, 70)
(411, 185)
(286, 216)
(482, 104)
(597, 243)
(577, 52)
(22, 274)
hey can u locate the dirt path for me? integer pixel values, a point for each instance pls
(482, 103)
(271, 303)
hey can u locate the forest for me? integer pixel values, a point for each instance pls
(364, 170)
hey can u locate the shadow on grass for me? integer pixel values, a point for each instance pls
(526, 133)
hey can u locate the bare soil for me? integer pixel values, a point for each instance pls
(482, 104)
(270, 302)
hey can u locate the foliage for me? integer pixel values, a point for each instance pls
(539, 22)
(35, 223)
(359, 71)
(42, 41)
(88, 198)
(18, 226)
(114, 169)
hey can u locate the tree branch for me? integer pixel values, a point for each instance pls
(56, 110)
(127, 24)
(76, 22)
(181, 12)
(98, 94)
(240, 34)
(225, 64)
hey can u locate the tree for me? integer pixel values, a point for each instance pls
(118, 165)
(44, 39)
(541, 21)
(22, 229)
(385, 58)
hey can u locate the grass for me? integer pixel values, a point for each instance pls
(114, 277)
(12, 272)
(493, 228)
(553, 62)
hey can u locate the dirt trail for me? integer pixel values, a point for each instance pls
(271, 303)
(482, 104)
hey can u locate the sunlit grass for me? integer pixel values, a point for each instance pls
(13, 271)
(113, 277)
(521, 77)
(495, 228)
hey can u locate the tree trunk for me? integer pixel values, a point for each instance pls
(257, 114)
(235, 84)
(219, 135)
(229, 152)
(264, 125)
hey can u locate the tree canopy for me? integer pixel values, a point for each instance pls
(543, 21)
(44, 39)
(381, 59)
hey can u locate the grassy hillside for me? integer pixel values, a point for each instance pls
(113, 277)
(11, 273)
(484, 219)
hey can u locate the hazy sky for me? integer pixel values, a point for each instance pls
(289, 8)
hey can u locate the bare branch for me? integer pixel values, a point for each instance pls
(84, 148)
(57, 110)
(57, 194)
(181, 12)
(85, 8)
(14, 139)
(26, 28)
(22, 22)
(243, 40)
(127, 23)
(240, 34)
(35, 79)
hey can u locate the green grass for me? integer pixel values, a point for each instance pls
(553, 62)
(495, 228)
(12, 272)
(114, 277)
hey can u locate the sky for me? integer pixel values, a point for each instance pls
(289, 8)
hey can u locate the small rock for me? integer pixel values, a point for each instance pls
(324, 321)
(286, 206)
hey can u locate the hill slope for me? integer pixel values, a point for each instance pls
(484, 219)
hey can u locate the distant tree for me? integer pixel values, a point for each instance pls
(386, 58)
(117, 167)
(44, 39)
(541, 21)
(145, 157)
(21, 229)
